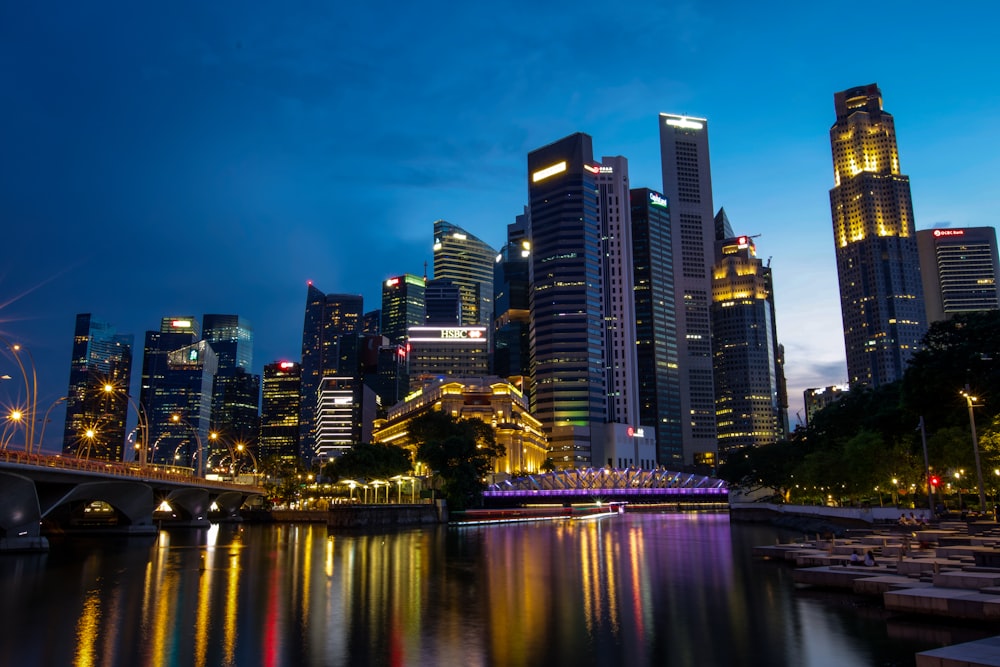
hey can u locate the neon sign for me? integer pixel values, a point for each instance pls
(656, 199)
(542, 174)
(948, 232)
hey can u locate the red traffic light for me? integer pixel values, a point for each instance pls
(935, 481)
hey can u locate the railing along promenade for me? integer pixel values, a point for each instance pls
(151, 471)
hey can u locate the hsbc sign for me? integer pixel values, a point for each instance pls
(431, 334)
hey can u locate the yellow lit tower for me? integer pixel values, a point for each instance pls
(881, 295)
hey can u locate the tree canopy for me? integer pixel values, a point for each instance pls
(369, 461)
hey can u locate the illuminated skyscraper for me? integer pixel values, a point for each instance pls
(101, 356)
(687, 185)
(235, 390)
(279, 415)
(655, 323)
(510, 341)
(402, 306)
(959, 268)
(467, 261)
(881, 295)
(745, 346)
(231, 337)
(329, 347)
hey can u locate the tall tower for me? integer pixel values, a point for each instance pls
(655, 323)
(881, 295)
(329, 347)
(745, 346)
(231, 337)
(567, 331)
(279, 418)
(101, 357)
(467, 261)
(960, 269)
(509, 341)
(687, 185)
(235, 390)
(402, 306)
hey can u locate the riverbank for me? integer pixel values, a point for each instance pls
(819, 520)
(356, 516)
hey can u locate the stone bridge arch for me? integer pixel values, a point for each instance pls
(132, 503)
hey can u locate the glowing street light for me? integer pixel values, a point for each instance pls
(969, 401)
(30, 390)
(200, 470)
(142, 423)
(13, 420)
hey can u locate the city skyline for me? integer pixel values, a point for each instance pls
(215, 159)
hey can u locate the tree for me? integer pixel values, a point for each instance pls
(369, 461)
(460, 452)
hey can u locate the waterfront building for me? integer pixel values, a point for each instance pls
(745, 349)
(402, 306)
(338, 409)
(466, 261)
(510, 341)
(817, 398)
(101, 357)
(280, 412)
(439, 352)
(235, 390)
(881, 294)
(959, 269)
(489, 398)
(329, 347)
(567, 331)
(656, 324)
(687, 185)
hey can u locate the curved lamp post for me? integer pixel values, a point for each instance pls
(969, 401)
(13, 419)
(30, 390)
(200, 470)
(142, 424)
(241, 448)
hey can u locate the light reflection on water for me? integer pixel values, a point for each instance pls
(677, 589)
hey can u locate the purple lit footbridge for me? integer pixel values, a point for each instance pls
(587, 485)
(60, 494)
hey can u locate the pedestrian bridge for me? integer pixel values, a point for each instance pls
(588, 484)
(55, 494)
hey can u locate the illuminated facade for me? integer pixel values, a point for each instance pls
(817, 398)
(231, 337)
(510, 341)
(959, 269)
(881, 295)
(436, 352)
(491, 399)
(745, 349)
(567, 330)
(235, 390)
(402, 306)
(330, 346)
(655, 324)
(279, 415)
(687, 185)
(101, 356)
(467, 261)
(338, 410)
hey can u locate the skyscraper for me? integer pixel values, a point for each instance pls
(235, 390)
(231, 337)
(655, 323)
(959, 268)
(687, 185)
(567, 331)
(442, 303)
(329, 347)
(881, 295)
(745, 346)
(279, 416)
(510, 341)
(101, 357)
(467, 261)
(402, 306)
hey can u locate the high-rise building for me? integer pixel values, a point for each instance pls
(235, 390)
(402, 306)
(329, 347)
(567, 330)
(101, 358)
(817, 398)
(441, 352)
(881, 295)
(959, 269)
(231, 337)
(177, 377)
(614, 213)
(656, 327)
(745, 347)
(371, 322)
(279, 415)
(687, 185)
(509, 343)
(442, 303)
(467, 261)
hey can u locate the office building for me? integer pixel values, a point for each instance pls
(567, 331)
(687, 185)
(959, 270)
(329, 347)
(280, 411)
(510, 341)
(96, 417)
(402, 306)
(467, 261)
(817, 398)
(745, 349)
(655, 324)
(881, 294)
(235, 390)
(442, 352)
(231, 337)
(442, 303)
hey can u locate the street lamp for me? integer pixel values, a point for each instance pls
(142, 424)
(969, 401)
(30, 390)
(200, 470)
(240, 447)
(14, 418)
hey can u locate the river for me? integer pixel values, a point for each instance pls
(638, 589)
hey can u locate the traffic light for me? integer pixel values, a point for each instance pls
(935, 481)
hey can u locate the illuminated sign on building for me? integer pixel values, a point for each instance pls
(636, 432)
(656, 199)
(438, 334)
(392, 282)
(686, 123)
(542, 174)
(948, 232)
(181, 324)
(285, 365)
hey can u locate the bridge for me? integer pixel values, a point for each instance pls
(55, 494)
(631, 485)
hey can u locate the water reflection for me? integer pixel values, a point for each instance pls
(636, 590)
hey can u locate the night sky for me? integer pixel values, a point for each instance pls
(212, 157)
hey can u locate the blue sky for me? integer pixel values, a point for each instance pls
(213, 157)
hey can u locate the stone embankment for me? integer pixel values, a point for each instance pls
(950, 570)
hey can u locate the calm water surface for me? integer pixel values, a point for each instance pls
(639, 589)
